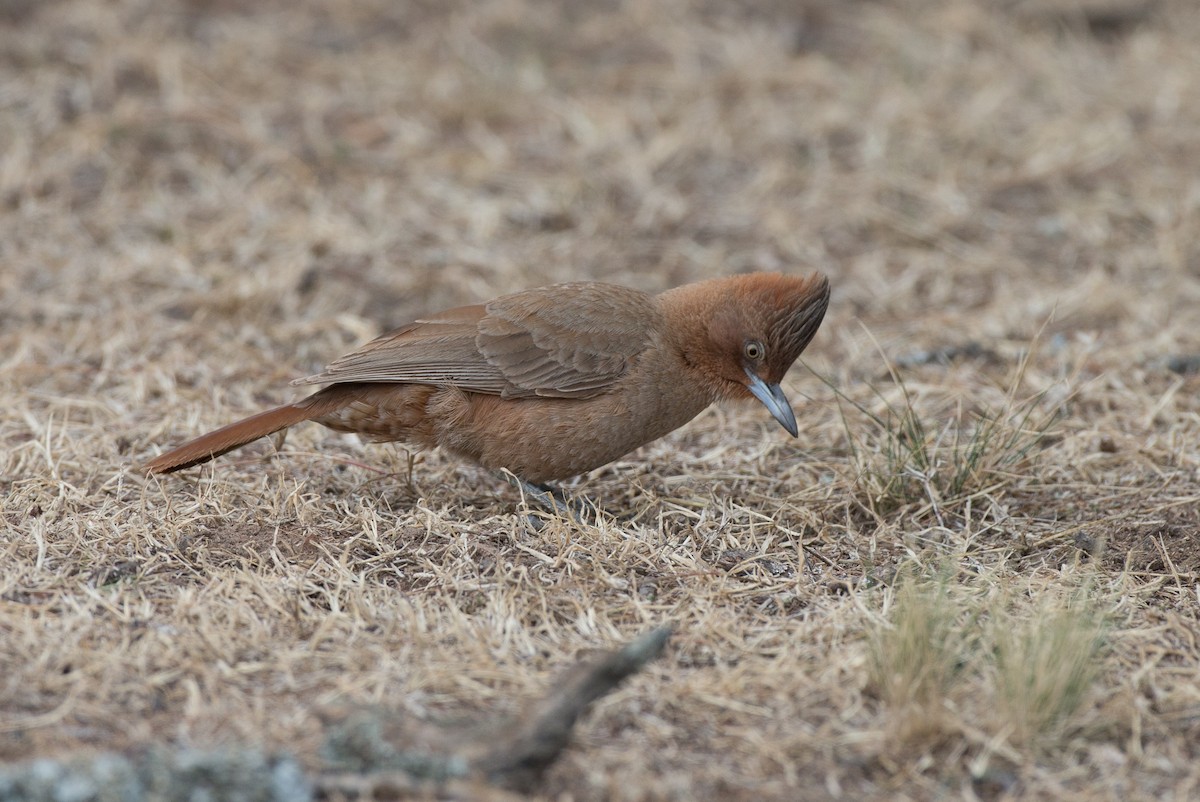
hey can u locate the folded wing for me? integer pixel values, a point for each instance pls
(563, 341)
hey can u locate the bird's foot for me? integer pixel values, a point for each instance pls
(554, 501)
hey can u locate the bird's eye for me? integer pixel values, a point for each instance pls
(755, 350)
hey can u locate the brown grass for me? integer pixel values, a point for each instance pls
(202, 200)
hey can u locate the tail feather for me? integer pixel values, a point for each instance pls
(227, 438)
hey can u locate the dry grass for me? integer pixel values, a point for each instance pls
(202, 200)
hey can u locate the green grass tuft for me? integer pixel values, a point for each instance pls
(904, 458)
(1045, 664)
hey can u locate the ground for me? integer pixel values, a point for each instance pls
(977, 571)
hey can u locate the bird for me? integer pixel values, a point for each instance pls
(552, 382)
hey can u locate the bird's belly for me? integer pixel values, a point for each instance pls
(547, 439)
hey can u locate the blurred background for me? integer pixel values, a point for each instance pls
(310, 172)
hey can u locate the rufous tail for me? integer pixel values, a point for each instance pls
(227, 438)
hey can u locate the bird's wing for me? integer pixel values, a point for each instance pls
(566, 340)
(563, 341)
(439, 349)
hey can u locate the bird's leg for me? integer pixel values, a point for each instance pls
(554, 500)
(547, 497)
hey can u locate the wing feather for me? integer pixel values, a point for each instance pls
(564, 341)
(567, 340)
(436, 350)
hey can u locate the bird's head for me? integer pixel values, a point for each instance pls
(754, 328)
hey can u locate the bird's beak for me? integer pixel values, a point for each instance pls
(773, 399)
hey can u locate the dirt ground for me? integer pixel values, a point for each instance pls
(975, 574)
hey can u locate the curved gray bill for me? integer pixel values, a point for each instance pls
(773, 399)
